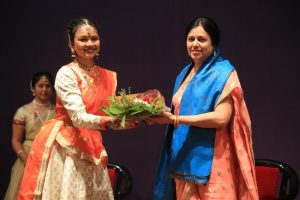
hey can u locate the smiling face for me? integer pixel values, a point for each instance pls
(86, 43)
(199, 45)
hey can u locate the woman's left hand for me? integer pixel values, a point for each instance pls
(163, 118)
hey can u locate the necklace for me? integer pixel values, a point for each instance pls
(41, 104)
(88, 68)
(35, 104)
(90, 74)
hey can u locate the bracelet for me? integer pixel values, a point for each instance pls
(176, 122)
(19, 152)
(102, 124)
(113, 119)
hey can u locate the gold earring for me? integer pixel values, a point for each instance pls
(97, 55)
(73, 54)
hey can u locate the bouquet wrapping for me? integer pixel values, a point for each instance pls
(135, 106)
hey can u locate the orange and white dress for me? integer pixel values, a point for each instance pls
(68, 159)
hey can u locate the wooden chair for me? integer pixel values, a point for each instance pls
(276, 180)
(120, 178)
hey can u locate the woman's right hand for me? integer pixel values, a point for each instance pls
(25, 157)
(115, 124)
(164, 118)
(167, 109)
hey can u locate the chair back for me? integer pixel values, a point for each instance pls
(120, 178)
(276, 180)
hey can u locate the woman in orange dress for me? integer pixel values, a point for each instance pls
(208, 149)
(68, 159)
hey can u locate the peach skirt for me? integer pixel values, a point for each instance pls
(222, 184)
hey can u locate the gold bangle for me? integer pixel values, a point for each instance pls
(102, 124)
(19, 152)
(176, 122)
(113, 119)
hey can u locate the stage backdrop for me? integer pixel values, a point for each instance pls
(144, 42)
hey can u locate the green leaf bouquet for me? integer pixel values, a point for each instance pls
(138, 106)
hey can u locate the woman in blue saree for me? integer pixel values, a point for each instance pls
(208, 147)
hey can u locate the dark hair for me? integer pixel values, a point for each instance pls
(37, 76)
(208, 25)
(74, 24)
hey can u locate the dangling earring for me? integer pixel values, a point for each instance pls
(73, 54)
(97, 55)
(215, 53)
(31, 88)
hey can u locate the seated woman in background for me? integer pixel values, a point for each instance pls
(28, 120)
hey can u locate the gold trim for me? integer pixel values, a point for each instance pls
(76, 151)
(18, 122)
(247, 122)
(183, 176)
(226, 92)
(191, 190)
(42, 172)
(115, 83)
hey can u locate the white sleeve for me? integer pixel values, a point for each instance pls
(67, 90)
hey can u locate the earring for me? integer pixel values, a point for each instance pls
(97, 55)
(214, 53)
(73, 54)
